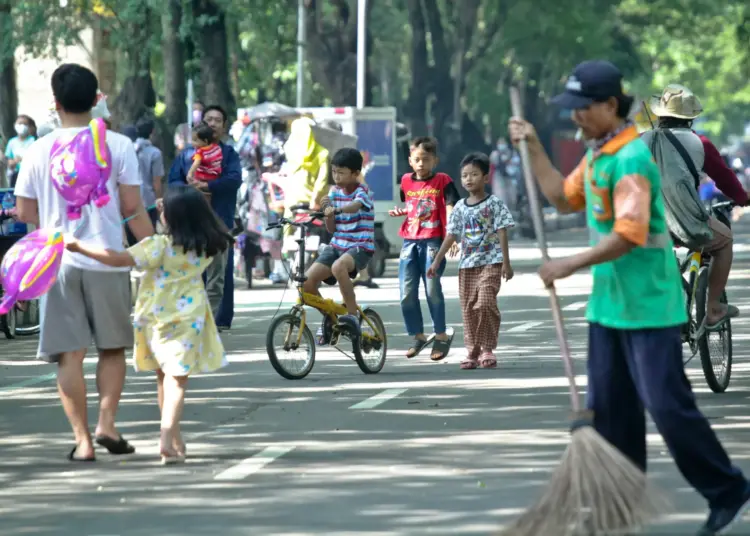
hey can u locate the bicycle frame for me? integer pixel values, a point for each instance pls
(325, 306)
(692, 264)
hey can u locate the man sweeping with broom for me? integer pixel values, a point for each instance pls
(636, 305)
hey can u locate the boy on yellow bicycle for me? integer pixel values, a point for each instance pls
(349, 215)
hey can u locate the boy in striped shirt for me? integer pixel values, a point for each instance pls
(350, 216)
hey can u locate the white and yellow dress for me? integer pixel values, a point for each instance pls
(174, 326)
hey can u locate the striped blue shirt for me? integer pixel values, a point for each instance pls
(353, 230)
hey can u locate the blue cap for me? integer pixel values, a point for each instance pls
(591, 81)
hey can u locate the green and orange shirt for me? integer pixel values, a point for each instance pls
(619, 187)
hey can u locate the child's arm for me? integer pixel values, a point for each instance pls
(507, 268)
(196, 164)
(109, 257)
(449, 241)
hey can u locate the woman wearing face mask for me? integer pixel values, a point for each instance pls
(17, 146)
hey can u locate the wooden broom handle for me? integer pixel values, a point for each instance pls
(537, 218)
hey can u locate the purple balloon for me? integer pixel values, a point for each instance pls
(30, 267)
(80, 167)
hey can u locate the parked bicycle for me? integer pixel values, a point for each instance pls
(369, 348)
(714, 347)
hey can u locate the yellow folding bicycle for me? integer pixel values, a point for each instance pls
(290, 334)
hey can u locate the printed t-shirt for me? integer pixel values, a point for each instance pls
(477, 226)
(620, 188)
(426, 201)
(353, 230)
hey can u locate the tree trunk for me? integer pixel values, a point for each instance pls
(105, 58)
(8, 91)
(175, 85)
(332, 51)
(211, 40)
(416, 107)
(137, 96)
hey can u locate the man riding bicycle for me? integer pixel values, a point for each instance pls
(676, 109)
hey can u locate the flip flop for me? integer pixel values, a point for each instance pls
(117, 447)
(72, 456)
(417, 346)
(732, 312)
(441, 348)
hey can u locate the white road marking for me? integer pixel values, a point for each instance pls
(253, 464)
(526, 326)
(575, 306)
(376, 400)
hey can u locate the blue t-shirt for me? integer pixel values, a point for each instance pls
(353, 230)
(17, 147)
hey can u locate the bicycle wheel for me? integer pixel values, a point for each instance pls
(28, 319)
(286, 328)
(715, 347)
(370, 356)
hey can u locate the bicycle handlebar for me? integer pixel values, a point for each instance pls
(723, 205)
(314, 215)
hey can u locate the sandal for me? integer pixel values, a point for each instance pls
(417, 346)
(470, 363)
(487, 360)
(117, 447)
(731, 312)
(440, 348)
(72, 456)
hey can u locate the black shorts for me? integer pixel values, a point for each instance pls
(330, 254)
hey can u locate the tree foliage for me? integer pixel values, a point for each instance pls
(445, 65)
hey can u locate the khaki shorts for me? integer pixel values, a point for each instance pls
(84, 306)
(722, 236)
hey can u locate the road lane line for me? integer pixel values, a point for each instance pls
(575, 306)
(253, 464)
(375, 400)
(526, 326)
(28, 382)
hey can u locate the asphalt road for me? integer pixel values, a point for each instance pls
(421, 448)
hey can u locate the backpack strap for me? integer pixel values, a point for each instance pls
(684, 154)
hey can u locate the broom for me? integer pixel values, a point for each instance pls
(595, 489)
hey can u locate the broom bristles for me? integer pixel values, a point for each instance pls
(595, 490)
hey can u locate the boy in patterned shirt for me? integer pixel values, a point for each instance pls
(350, 216)
(480, 222)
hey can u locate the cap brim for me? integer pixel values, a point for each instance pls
(572, 101)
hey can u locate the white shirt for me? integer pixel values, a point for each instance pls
(101, 227)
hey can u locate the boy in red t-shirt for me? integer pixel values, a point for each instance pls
(207, 158)
(429, 197)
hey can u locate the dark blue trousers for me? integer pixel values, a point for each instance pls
(633, 370)
(226, 308)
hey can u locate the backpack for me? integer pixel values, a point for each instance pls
(685, 214)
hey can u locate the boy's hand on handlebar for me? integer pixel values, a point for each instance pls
(329, 211)
(396, 212)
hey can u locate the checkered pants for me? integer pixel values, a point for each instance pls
(478, 289)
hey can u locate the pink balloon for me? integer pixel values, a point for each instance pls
(30, 267)
(80, 167)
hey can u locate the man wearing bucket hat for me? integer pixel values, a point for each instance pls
(635, 309)
(676, 109)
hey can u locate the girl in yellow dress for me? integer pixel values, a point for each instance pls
(175, 332)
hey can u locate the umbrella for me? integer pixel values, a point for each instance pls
(268, 110)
